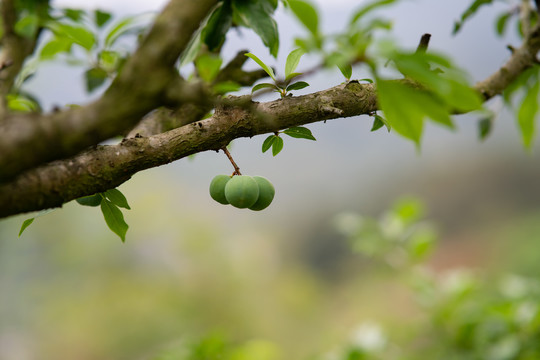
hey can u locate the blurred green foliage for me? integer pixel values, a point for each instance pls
(208, 295)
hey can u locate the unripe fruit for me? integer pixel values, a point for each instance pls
(266, 194)
(241, 191)
(217, 188)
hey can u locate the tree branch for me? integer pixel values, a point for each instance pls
(105, 167)
(142, 85)
(521, 59)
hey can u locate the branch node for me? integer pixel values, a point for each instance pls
(331, 109)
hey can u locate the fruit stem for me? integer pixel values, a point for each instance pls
(236, 168)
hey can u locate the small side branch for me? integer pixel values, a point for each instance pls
(424, 42)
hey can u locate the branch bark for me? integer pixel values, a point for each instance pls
(522, 59)
(142, 85)
(105, 167)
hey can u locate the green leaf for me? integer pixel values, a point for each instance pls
(219, 23)
(21, 103)
(101, 17)
(78, 34)
(379, 122)
(265, 85)
(368, 8)
(109, 60)
(470, 11)
(208, 66)
(405, 108)
(94, 78)
(258, 16)
(267, 144)
(346, 70)
(117, 198)
(292, 61)
(307, 14)
(291, 76)
(297, 86)
(409, 210)
(226, 87)
(299, 132)
(485, 126)
(277, 145)
(92, 200)
(519, 83)
(193, 47)
(27, 25)
(450, 85)
(367, 80)
(74, 14)
(54, 47)
(502, 21)
(26, 223)
(421, 242)
(123, 27)
(383, 120)
(114, 219)
(527, 114)
(265, 67)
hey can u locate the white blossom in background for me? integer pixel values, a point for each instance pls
(457, 281)
(369, 336)
(514, 286)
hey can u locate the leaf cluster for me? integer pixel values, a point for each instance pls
(276, 142)
(256, 15)
(281, 87)
(433, 88)
(110, 203)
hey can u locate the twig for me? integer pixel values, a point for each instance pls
(424, 42)
(236, 168)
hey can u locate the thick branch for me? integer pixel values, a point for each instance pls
(142, 86)
(105, 167)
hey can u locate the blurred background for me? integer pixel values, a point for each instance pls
(289, 280)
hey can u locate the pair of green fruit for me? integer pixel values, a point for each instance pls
(242, 191)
